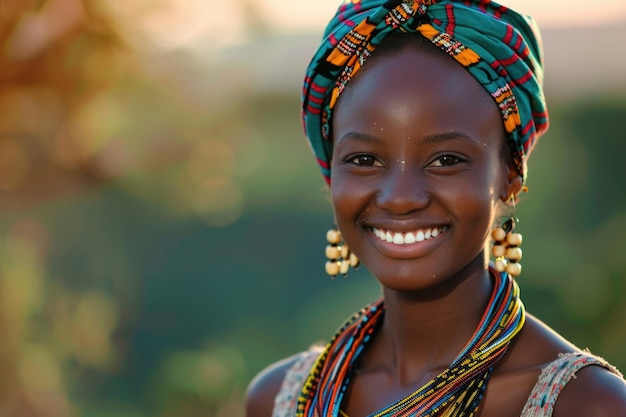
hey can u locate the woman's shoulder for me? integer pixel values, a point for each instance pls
(578, 382)
(275, 380)
(593, 391)
(264, 388)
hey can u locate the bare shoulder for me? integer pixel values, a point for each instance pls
(595, 391)
(536, 346)
(265, 386)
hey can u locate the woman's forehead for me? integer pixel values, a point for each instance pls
(420, 64)
(413, 85)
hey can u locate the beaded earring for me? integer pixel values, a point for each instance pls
(506, 248)
(340, 258)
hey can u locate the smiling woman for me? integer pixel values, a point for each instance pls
(422, 115)
(429, 155)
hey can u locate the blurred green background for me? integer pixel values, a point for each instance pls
(163, 220)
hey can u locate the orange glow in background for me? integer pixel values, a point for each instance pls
(162, 219)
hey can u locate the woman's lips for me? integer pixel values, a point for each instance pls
(408, 238)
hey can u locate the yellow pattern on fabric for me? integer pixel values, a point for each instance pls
(512, 120)
(464, 55)
(339, 55)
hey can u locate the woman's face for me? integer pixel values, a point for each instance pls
(417, 168)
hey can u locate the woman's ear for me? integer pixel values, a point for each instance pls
(513, 186)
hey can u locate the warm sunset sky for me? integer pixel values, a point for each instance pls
(185, 23)
(313, 13)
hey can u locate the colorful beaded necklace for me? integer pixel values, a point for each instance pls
(456, 392)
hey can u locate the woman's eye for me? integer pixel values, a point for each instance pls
(364, 160)
(446, 161)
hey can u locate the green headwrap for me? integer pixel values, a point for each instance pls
(498, 46)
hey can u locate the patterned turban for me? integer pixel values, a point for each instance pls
(499, 47)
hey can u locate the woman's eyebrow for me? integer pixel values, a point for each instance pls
(359, 137)
(441, 137)
(434, 138)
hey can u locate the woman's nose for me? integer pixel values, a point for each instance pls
(403, 190)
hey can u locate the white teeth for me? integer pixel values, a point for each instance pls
(408, 238)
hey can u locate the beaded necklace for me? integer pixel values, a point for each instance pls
(455, 392)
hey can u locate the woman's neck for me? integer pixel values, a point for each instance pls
(423, 333)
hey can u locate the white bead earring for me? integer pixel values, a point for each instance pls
(506, 248)
(340, 258)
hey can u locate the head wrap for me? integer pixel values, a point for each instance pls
(499, 47)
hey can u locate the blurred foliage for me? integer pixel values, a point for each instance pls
(57, 55)
(162, 226)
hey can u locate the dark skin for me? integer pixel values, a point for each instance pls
(410, 157)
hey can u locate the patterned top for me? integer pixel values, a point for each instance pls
(541, 402)
(553, 379)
